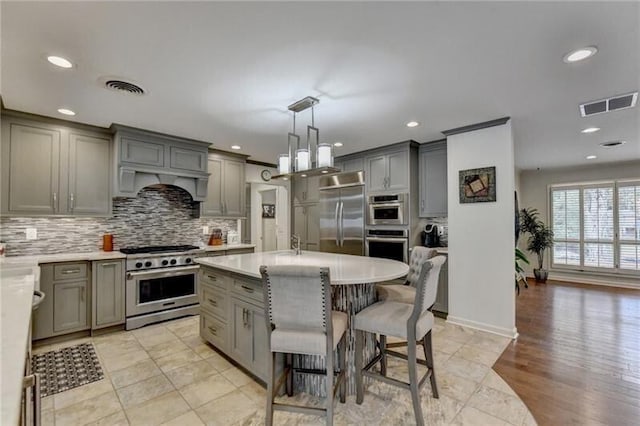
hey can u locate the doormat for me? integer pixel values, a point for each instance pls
(67, 368)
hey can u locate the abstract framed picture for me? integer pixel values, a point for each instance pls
(477, 185)
(269, 211)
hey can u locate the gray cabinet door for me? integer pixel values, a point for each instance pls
(433, 182)
(187, 159)
(313, 226)
(70, 306)
(32, 157)
(398, 171)
(240, 333)
(299, 190)
(353, 165)
(108, 293)
(212, 206)
(376, 173)
(312, 195)
(141, 152)
(300, 223)
(42, 321)
(260, 345)
(233, 188)
(89, 175)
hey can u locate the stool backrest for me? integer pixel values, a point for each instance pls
(427, 286)
(419, 255)
(297, 297)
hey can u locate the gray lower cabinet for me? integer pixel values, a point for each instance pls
(442, 299)
(232, 318)
(107, 293)
(50, 169)
(226, 188)
(65, 308)
(433, 179)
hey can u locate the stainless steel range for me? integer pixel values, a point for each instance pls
(161, 283)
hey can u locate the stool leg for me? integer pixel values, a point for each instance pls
(329, 387)
(342, 349)
(383, 353)
(428, 355)
(413, 380)
(359, 365)
(289, 383)
(270, 384)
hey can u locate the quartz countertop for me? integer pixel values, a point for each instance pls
(442, 250)
(64, 257)
(17, 282)
(344, 268)
(224, 247)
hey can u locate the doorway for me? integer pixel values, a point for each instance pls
(269, 217)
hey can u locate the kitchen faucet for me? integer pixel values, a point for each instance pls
(295, 243)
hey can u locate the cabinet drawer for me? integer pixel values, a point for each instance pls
(69, 271)
(251, 290)
(214, 299)
(212, 277)
(141, 152)
(213, 331)
(239, 251)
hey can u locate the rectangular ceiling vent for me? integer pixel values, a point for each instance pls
(610, 104)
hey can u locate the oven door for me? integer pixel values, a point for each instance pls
(386, 214)
(388, 248)
(158, 290)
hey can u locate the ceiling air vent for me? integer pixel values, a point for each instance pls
(610, 104)
(612, 144)
(124, 86)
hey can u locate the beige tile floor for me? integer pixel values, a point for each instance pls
(165, 374)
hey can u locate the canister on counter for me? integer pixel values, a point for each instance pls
(107, 242)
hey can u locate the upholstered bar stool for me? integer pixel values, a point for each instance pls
(300, 321)
(412, 322)
(406, 292)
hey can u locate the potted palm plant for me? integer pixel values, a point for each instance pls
(540, 239)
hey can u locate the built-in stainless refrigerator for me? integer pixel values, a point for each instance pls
(342, 213)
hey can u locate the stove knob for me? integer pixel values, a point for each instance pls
(147, 264)
(165, 262)
(173, 261)
(188, 260)
(138, 264)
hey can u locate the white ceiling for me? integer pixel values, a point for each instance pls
(225, 72)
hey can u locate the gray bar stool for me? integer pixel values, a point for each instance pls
(412, 322)
(406, 293)
(299, 320)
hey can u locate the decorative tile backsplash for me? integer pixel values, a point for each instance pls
(159, 215)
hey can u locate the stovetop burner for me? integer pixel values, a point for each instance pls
(156, 249)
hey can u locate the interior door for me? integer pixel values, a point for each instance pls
(352, 214)
(329, 204)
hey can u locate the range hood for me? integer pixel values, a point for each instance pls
(143, 158)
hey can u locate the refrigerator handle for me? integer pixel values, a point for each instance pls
(341, 224)
(337, 224)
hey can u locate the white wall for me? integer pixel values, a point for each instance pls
(481, 235)
(534, 193)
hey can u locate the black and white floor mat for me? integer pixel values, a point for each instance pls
(67, 368)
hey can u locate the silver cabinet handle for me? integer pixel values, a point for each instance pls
(71, 201)
(421, 204)
(34, 381)
(244, 317)
(213, 330)
(212, 278)
(82, 294)
(109, 264)
(55, 200)
(70, 271)
(213, 302)
(247, 289)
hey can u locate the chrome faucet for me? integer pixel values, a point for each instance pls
(295, 243)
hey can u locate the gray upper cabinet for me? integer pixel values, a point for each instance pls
(305, 190)
(141, 152)
(433, 179)
(226, 188)
(388, 172)
(188, 159)
(353, 165)
(49, 169)
(107, 287)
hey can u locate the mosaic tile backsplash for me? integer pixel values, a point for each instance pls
(159, 215)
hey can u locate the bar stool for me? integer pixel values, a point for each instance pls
(406, 292)
(412, 322)
(299, 320)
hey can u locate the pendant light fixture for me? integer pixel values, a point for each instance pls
(299, 160)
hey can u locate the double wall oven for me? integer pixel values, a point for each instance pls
(387, 234)
(161, 284)
(387, 210)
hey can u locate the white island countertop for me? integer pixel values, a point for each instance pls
(344, 268)
(17, 282)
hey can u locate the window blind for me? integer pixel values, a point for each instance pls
(629, 225)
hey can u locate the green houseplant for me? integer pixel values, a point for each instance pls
(519, 272)
(540, 239)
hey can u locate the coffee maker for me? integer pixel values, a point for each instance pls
(431, 236)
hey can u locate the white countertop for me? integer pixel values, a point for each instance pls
(17, 282)
(224, 247)
(442, 250)
(64, 257)
(344, 269)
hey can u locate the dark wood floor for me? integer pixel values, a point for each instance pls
(577, 359)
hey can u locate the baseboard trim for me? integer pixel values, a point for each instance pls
(500, 331)
(591, 280)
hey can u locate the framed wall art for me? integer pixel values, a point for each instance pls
(477, 185)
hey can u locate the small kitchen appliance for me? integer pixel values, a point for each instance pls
(431, 235)
(233, 238)
(387, 210)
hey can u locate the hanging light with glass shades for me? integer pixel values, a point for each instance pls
(300, 161)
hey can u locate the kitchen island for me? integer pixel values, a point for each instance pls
(232, 307)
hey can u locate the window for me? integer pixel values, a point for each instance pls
(596, 226)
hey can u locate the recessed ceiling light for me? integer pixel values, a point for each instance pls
(590, 130)
(413, 124)
(612, 144)
(60, 61)
(337, 144)
(325, 171)
(66, 111)
(580, 54)
(236, 147)
(591, 157)
(303, 175)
